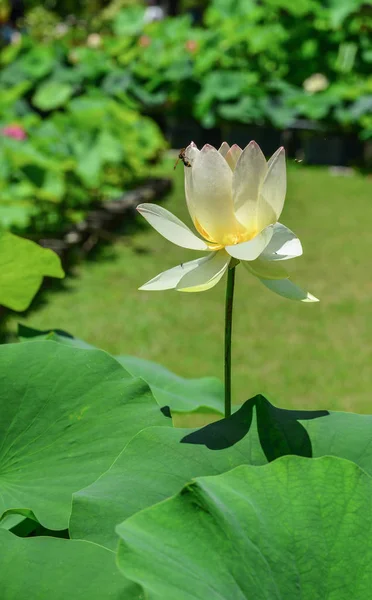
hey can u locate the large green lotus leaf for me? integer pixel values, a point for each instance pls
(193, 402)
(23, 265)
(343, 434)
(295, 528)
(204, 395)
(65, 415)
(46, 568)
(158, 462)
(152, 467)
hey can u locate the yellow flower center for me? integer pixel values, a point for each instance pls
(229, 239)
(203, 232)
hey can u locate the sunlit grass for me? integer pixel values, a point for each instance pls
(303, 355)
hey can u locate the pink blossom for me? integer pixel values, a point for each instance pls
(14, 131)
(144, 41)
(191, 46)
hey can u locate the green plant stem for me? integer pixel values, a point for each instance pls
(228, 329)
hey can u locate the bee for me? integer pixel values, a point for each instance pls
(182, 156)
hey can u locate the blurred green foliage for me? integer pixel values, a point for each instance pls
(248, 62)
(76, 89)
(77, 144)
(81, 8)
(269, 50)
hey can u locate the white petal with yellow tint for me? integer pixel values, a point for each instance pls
(208, 193)
(287, 289)
(233, 156)
(249, 174)
(171, 227)
(206, 274)
(223, 149)
(252, 249)
(191, 152)
(266, 269)
(273, 190)
(283, 245)
(169, 279)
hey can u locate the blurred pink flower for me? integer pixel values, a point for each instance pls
(191, 46)
(144, 41)
(14, 131)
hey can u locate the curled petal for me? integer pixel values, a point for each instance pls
(273, 190)
(264, 269)
(283, 245)
(287, 289)
(206, 274)
(252, 249)
(168, 280)
(208, 194)
(171, 227)
(249, 174)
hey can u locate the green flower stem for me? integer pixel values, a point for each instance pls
(228, 329)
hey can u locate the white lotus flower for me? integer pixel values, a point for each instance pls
(235, 199)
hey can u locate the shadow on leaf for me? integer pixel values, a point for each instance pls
(279, 429)
(226, 432)
(166, 411)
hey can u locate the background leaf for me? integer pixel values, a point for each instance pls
(30, 334)
(189, 400)
(52, 94)
(23, 264)
(203, 396)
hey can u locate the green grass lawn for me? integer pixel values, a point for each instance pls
(303, 355)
